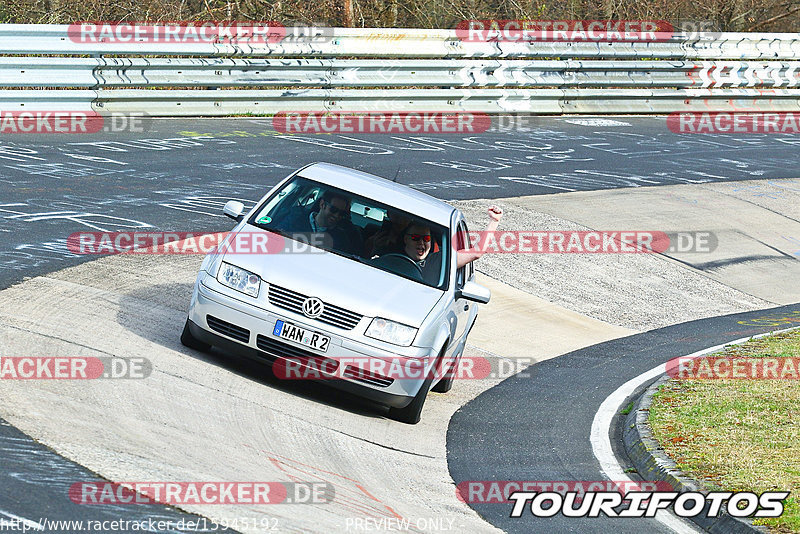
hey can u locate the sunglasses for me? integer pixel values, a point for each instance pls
(420, 237)
(338, 211)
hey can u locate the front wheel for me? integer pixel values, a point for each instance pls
(188, 340)
(411, 413)
(446, 383)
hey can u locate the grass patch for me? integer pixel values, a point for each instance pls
(737, 435)
(627, 409)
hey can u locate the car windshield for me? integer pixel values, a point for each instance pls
(358, 228)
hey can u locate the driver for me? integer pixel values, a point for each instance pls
(332, 218)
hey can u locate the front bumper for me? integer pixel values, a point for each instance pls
(261, 322)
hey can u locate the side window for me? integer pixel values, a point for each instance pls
(462, 241)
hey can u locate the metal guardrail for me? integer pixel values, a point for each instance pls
(542, 101)
(413, 43)
(226, 72)
(66, 101)
(430, 70)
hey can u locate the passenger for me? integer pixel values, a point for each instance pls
(332, 218)
(418, 242)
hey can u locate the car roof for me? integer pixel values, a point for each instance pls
(382, 190)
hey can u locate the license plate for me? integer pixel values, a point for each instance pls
(309, 338)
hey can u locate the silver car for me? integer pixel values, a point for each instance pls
(341, 276)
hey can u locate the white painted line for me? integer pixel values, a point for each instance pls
(16, 521)
(601, 428)
(601, 443)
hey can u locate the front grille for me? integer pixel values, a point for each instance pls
(231, 330)
(278, 349)
(293, 301)
(372, 379)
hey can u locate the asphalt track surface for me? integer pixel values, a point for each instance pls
(537, 427)
(177, 176)
(35, 482)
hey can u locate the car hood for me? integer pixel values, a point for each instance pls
(342, 282)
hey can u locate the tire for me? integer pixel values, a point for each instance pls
(446, 384)
(411, 413)
(188, 340)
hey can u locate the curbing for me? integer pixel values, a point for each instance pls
(654, 465)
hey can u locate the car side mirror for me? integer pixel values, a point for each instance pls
(474, 292)
(234, 210)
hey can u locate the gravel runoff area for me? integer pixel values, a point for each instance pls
(637, 291)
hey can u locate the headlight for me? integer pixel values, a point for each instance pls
(239, 279)
(391, 332)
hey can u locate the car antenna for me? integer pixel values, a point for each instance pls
(395, 174)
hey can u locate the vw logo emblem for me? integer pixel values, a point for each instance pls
(313, 307)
